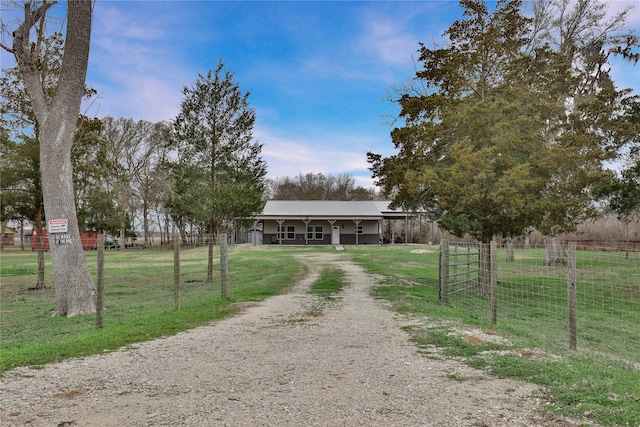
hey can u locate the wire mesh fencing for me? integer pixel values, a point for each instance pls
(131, 286)
(587, 299)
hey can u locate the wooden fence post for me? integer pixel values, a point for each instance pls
(468, 263)
(493, 281)
(223, 265)
(444, 272)
(572, 296)
(100, 282)
(176, 271)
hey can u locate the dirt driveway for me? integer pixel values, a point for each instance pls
(274, 365)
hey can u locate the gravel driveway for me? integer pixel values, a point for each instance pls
(274, 365)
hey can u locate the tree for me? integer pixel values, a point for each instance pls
(623, 192)
(20, 173)
(509, 134)
(21, 188)
(593, 119)
(56, 114)
(318, 187)
(213, 134)
(92, 174)
(137, 152)
(21, 170)
(151, 175)
(468, 142)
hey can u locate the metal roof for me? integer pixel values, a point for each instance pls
(326, 209)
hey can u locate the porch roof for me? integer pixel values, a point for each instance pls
(328, 209)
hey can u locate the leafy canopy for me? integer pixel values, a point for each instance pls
(507, 134)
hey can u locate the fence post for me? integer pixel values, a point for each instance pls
(493, 280)
(100, 282)
(468, 263)
(572, 296)
(455, 267)
(444, 272)
(176, 271)
(223, 265)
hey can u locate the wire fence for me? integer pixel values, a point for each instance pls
(588, 301)
(519, 293)
(130, 285)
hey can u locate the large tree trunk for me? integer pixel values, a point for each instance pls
(56, 118)
(74, 285)
(554, 252)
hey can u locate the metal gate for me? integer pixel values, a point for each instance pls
(460, 269)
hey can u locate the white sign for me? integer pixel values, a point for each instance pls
(57, 226)
(63, 239)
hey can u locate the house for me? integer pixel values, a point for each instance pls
(8, 235)
(326, 222)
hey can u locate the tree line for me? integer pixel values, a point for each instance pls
(202, 172)
(198, 172)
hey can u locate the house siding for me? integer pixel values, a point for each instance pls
(370, 234)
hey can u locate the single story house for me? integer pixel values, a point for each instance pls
(326, 222)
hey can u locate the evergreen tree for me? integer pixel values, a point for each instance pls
(213, 137)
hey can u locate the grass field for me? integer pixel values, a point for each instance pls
(139, 300)
(600, 381)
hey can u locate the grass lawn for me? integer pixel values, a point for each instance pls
(139, 300)
(599, 381)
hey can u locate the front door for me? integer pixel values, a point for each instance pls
(335, 235)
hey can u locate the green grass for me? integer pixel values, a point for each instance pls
(600, 381)
(139, 302)
(329, 283)
(328, 286)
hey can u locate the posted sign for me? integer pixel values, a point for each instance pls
(58, 226)
(62, 239)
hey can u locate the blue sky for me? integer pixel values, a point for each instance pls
(319, 72)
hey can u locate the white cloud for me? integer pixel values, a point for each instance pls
(390, 34)
(134, 66)
(292, 155)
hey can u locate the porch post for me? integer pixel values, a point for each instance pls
(356, 222)
(278, 233)
(306, 230)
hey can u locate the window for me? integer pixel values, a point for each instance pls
(359, 229)
(286, 232)
(315, 232)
